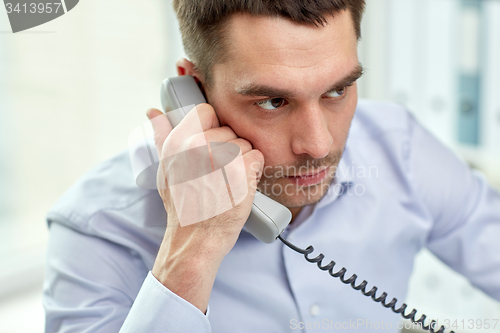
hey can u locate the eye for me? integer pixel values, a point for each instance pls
(272, 104)
(336, 93)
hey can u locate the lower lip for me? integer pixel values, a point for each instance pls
(310, 180)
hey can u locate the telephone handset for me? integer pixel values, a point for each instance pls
(268, 218)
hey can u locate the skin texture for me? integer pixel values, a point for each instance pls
(301, 64)
(311, 130)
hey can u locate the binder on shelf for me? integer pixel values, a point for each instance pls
(469, 72)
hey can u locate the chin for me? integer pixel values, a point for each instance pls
(299, 197)
(313, 194)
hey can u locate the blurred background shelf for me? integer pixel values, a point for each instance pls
(441, 59)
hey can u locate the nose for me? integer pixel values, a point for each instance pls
(310, 133)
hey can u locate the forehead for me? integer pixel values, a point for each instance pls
(263, 48)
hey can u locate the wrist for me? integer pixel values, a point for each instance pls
(188, 274)
(206, 244)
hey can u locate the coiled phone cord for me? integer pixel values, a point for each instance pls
(352, 281)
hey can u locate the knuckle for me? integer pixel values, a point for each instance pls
(205, 109)
(245, 145)
(157, 138)
(256, 157)
(229, 131)
(246, 142)
(215, 134)
(259, 155)
(195, 141)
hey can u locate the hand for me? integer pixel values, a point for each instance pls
(190, 255)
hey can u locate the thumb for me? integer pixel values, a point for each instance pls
(161, 127)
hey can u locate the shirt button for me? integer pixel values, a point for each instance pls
(314, 310)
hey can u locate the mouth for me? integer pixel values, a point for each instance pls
(310, 178)
(309, 174)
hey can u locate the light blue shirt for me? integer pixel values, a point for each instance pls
(397, 190)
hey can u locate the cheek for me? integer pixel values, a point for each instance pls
(270, 141)
(244, 125)
(341, 122)
(237, 116)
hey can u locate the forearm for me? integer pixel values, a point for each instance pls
(188, 269)
(198, 237)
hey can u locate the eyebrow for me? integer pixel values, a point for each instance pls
(267, 91)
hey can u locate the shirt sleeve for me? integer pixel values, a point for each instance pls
(94, 285)
(464, 208)
(157, 309)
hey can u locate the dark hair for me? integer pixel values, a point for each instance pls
(202, 22)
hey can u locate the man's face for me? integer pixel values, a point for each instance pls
(285, 88)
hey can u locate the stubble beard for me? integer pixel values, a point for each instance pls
(275, 184)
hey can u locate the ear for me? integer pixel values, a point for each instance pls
(186, 67)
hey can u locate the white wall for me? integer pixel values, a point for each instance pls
(71, 91)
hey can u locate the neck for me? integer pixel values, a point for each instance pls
(295, 211)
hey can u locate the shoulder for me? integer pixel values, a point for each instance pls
(381, 137)
(374, 118)
(106, 192)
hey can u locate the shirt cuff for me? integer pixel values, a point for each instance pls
(157, 309)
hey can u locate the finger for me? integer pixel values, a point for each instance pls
(245, 145)
(203, 117)
(220, 134)
(161, 127)
(242, 174)
(254, 164)
(190, 131)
